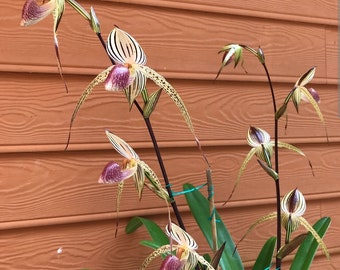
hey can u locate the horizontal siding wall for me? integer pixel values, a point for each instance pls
(50, 198)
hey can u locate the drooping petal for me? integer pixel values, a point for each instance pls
(123, 48)
(33, 13)
(160, 81)
(101, 77)
(250, 154)
(113, 173)
(121, 146)
(119, 78)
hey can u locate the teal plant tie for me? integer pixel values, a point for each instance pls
(188, 190)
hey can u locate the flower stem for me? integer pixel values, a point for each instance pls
(277, 182)
(161, 164)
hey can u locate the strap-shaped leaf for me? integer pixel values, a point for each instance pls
(291, 246)
(156, 233)
(151, 103)
(306, 252)
(199, 207)
(264, 259)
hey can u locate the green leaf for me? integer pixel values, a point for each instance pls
(306, 252)
(156, 233)
(151, 104)
(264, 259)
(199, 207)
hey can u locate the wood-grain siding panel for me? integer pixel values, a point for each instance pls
(57, 185)
(36, 112)
(175, 42)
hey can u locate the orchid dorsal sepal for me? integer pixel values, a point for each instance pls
(306, 77)
(77, 7)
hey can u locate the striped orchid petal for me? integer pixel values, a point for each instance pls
(293, 206)
(306, 78)
(121, 146)
(181, 237)
(123, 48)
(257, 136)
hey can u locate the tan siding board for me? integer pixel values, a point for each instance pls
(56, 185)
(39, 112)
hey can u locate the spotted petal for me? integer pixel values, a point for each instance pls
(160, 81)
(101, 77)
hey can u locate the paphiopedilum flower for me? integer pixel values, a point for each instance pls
(129, 74)
(301, 93)
(185, 250)
(133, 167)
(231, 52)
(234, 52)
(293, 206)
(262, 148)
(33, 13)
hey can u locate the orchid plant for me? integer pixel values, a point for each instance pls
(128, 74)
